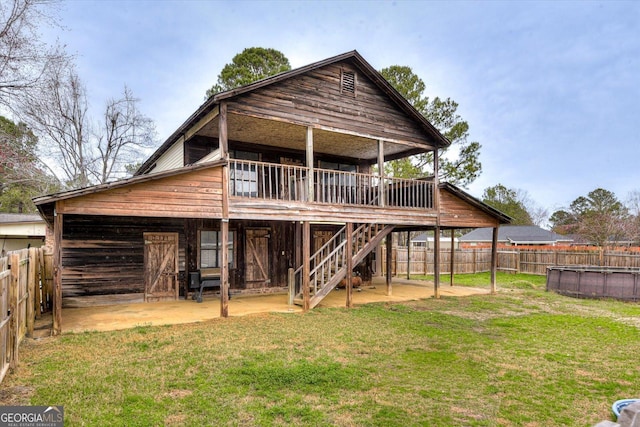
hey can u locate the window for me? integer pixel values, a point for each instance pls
(339, 179)
(211, 247)
(244, 176)
(337, 183)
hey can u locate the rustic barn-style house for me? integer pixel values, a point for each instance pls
(274, 186)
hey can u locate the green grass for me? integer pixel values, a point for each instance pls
(506, 280)
(523, 357)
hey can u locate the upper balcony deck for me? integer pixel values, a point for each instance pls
(269, 186)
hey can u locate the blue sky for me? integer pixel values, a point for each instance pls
(550, 89)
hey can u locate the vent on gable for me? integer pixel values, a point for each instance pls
(348, 82)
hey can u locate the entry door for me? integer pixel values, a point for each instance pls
(257, 258)
(160, 266)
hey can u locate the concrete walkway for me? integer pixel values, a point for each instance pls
(123, 316)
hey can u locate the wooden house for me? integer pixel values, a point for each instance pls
(274, 187)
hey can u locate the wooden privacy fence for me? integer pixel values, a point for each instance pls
(516, 260)
(26, 285)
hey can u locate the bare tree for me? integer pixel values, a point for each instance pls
(83, 153)
(632, 226)
(123, 137)
(24, 58)
(58, 114)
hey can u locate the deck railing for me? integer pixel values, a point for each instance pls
(270, 181)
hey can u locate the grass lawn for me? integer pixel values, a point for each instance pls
(523, 357)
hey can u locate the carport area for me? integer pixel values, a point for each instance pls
(124, 316)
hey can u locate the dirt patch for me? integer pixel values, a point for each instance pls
(16, 396)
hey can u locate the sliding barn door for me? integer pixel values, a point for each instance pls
(160, 266)
(257, 258)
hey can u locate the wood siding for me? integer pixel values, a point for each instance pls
(457, 213)
(196, 194)
(282, 249)
(173, 158)
(105, 255)
(315, 99)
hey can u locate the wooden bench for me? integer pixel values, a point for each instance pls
(204, 279)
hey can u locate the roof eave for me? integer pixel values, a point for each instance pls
(43, 200)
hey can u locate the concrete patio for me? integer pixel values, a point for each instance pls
(123, 316)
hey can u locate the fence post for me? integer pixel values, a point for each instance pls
(14, 328)
(31, 289)
(38, 279)
(475, 260)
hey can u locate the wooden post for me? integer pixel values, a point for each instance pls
(349, 255)
(453, 252)
(494, 259)
(408, 255)
(389, 245)
(310, 168)
(378, 260)
(436, 183)
(224, 269)
(31, 289)
(306, 265)
(425, 251)
(291, 280)
(38, 278)
(436, 262)
(381, 192)
(475, 260)
(14, 308)
(223, 133)
(57, 272)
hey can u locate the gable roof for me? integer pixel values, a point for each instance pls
(354, 57)
(15, 218)
(477, 203)
(516, 234)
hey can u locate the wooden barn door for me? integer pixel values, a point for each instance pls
(160, 266)
(257, 258)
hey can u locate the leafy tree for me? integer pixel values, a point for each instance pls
(509, 201)
(599, 217)
(563, 222)
(460, 168)
(252, 64)
(22, 176)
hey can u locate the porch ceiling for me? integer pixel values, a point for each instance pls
(293, 136)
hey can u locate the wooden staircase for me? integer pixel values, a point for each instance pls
(328, 264)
